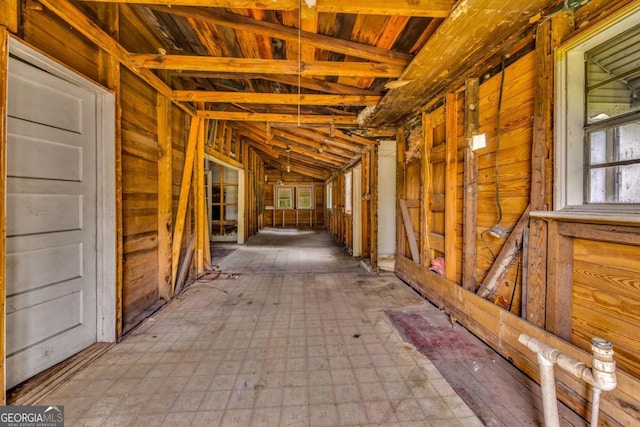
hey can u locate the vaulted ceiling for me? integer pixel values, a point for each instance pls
(294, 75)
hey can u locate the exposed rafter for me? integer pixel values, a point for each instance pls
(304, 82)
(434, 8)
(273, 98)
(273, 66)
(267, 29)
(277, 118)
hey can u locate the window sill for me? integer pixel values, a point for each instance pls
(589, 217)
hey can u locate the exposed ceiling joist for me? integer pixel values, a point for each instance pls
(277, 118)
(448, 53)
(304, 82)
(282, 32)
(272, 66)
(434, 8)
(273, 98)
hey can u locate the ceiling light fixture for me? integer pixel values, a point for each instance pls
(310, 3)
(288, 167)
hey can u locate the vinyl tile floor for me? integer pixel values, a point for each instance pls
(299, 337)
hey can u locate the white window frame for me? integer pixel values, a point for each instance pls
(329, 196)
(301, 196)
(569, 114)
(284, 192)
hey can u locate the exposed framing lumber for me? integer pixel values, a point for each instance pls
(4, 66)
(185, 186)
(470, 214)
(273, 98)
(165, 199)
(408, 227)
(550, 33)
(304, 82)
(559, 289)
(501, 329)
(425, 190)
(290, 34)
(470, 208)
(199, 199)
(277, 118)
(80, 22)
(504, 259)
(269, 66)
(451, 188)
(433, 8)
(9, 14)
(210, 151)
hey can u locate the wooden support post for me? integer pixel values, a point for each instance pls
(450, 192)
(165, 197)
(9, 14)
(400, 193)
(199, 199)
(426, 189)
(373, 209)
(470, 208)
(109, 74)
(501, 265)
(411, 236)
(4, 64)
(550, 33)
(185, 187)
(559, 283)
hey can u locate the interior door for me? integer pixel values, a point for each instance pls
(51, 221)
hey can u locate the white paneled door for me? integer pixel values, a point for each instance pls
(51, 221)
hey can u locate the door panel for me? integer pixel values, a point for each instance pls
(51, 221)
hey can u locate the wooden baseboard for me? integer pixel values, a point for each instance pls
(37, 388)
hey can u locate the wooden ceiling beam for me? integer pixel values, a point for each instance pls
(269, 66)
(434, 8)
(85, 26)
(277, 118)
(304, 82)
(273, 98)
(282, 32)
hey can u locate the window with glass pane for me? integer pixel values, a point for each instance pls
(612, 122)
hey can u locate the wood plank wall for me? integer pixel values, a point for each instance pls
(138, 292)
(593, 278)
(304, 217)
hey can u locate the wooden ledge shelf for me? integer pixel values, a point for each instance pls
(608, 218)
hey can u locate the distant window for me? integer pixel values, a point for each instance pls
(329, 195)
(348, 195)
(598, 117)
(284, 197)
(304, 197)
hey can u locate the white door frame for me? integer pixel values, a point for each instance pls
(241, 191)
(105, 184)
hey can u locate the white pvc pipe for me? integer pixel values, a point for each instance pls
(548, 387)
(601, 376)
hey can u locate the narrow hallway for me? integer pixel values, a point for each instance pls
(298, 337)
